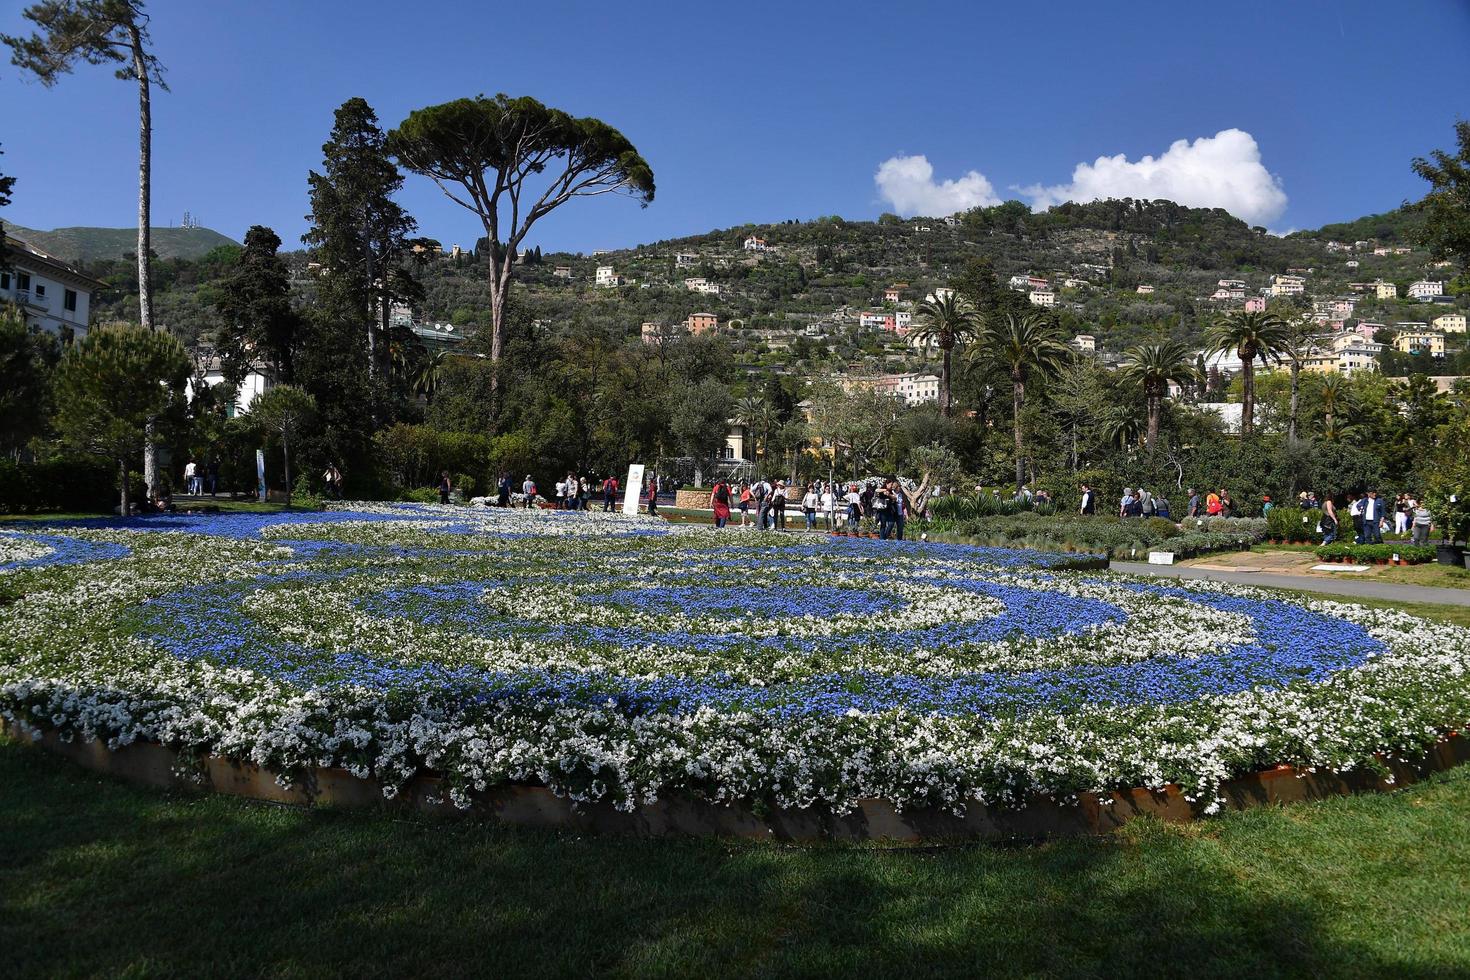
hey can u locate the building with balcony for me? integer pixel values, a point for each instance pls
(1419, 341)
(51, 295)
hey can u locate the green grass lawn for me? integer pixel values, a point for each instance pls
(99, 877)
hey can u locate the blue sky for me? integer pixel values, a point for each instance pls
(764, 111)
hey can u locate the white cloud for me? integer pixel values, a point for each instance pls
(1220, 171)
(908, 184)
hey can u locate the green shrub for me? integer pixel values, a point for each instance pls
(1411, 553)
(83, 484)
(1162, 527)
(1292, 524)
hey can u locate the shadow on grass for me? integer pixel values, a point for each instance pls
(99, 877)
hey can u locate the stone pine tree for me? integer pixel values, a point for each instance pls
(358, 232)
(101, 32)
(283, 411)
(111, 386)
(255, 305)
(512, 162)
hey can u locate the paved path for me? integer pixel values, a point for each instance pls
(1345, 587)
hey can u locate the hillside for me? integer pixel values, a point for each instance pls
(93, 244)
(1122, 271)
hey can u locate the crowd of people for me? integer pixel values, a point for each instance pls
(1369, 515)
(764, 504)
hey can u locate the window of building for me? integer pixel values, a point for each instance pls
(40, 289)
(23, 281)
(4, 280)
(69, 300)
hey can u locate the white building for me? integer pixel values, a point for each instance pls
(1144, 290)
(701, 285)
(683, 260)
(52, 296)
(753, 244)
(1042, 297)
(607, 277)
(1085, 342)
(1423, 289)
(1385, 290)
(903, 319)
(257, 382)
(940, 294)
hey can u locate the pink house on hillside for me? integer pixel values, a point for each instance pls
(1256, 304)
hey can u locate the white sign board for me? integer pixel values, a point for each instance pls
(1161, 557)
(633, 489)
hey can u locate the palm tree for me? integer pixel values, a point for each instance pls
(755, 414)
(1023, 346)
(1334, 394)
(1153, 367)
(1299, 345)
(1249, 336)
(945, 320)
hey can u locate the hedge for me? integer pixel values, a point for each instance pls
(84, 484)
(1414, 554)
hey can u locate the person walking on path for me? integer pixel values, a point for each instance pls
(528, 491)
(502, 491)
(809, 504)
(762, 491)
(829, 506)
(719, 502)
(1089, 502)
(778, 506)
(609, 493)
(745, 498)
(1355, 511)
(191, 477)
(1328, 522)
(445, 487)
(1422, 522)
(653, 494)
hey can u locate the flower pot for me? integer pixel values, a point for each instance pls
(1450, 554)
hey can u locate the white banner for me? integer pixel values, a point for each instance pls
(633, 489)
(260, 473)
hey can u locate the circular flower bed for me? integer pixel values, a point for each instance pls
(625, 660)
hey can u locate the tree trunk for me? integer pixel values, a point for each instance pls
(372, 347)
(1296, 387)
(145, 180)
(944, 379)
(1155, 408)
(122, 470)
(286, 460)
(150, 455)
(145, 229)
(1247, 397)
(1018, 396)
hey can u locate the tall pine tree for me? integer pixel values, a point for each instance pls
(358, 232)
